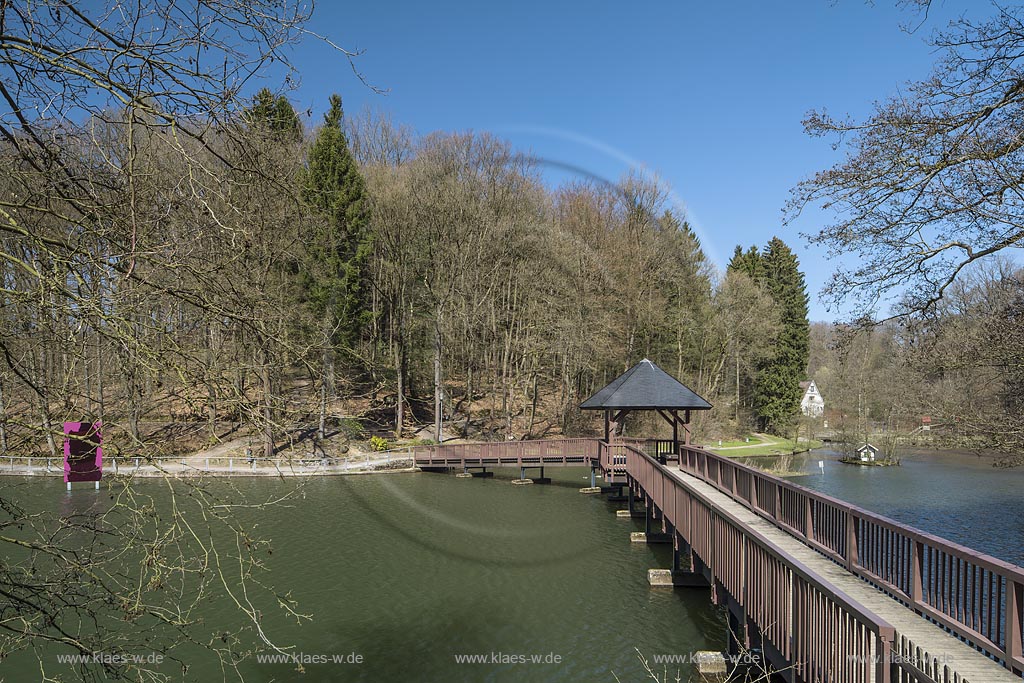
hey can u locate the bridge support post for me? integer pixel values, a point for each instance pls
(682, 554)
(651, 516)
(737, 623)
(594, 488)
(666, 578)
(522, 480)
(615, 494)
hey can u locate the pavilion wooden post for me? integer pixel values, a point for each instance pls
(612, 422)
(672, 417)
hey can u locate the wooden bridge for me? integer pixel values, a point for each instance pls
(827, 591)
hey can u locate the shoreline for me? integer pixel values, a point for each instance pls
(181, 470)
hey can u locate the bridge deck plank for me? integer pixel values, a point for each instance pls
(971, 665)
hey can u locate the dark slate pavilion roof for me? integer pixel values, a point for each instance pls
(645, 386)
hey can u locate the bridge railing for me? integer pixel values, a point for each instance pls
(510, 453)
(612, 459)
(974, 595)
(653, 447)
(824, 633)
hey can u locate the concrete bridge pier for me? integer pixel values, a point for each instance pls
(524, 477)
(615, 494)
(633, 509)
(687, 570)
(682, 554)
(652, 532)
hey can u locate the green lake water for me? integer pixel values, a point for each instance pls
(409, 570)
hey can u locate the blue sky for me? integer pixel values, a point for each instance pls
(708, 95)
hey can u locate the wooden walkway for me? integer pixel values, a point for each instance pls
(936, 646)
(829, 592)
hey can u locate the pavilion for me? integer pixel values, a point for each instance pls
(645, 386)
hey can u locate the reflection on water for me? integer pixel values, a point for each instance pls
(410, 570)
(956, 495)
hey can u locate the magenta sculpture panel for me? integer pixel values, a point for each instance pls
(83, 452)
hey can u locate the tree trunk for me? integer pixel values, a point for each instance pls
(51, 443)
(737, 386)
(533, 407)
(321, 430)
(438, 390)
(326, 389)
(211, 390)
(400, 389)
(3, 422)
(268, 412)
(100, 401)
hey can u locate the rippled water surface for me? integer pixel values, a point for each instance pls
(408, 570)
(958, 496)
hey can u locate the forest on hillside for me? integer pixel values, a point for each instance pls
(357, 271)
(181, 266)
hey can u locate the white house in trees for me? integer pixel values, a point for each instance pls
(812, 404)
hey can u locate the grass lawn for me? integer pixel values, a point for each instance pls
(761, 444)
(754, 440)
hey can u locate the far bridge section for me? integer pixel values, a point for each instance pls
(525, 456)
(827, 591)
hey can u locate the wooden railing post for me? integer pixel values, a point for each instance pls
(809, 519)
(916, 573)
(1012, 628)
(884, 661)
(851, 541)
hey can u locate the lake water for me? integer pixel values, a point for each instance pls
(409, 570)
(958, 496)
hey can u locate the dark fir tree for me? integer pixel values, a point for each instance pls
(276, 114)
(777, 390)
(747, 262)
(339, 243)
